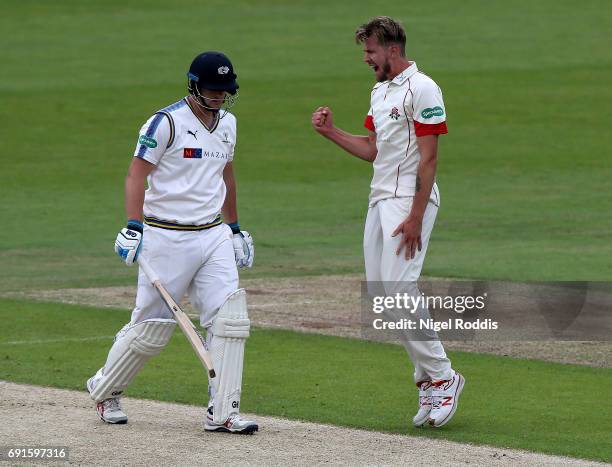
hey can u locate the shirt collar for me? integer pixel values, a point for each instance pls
(404, 75)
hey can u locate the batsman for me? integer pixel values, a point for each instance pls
(186, 225)
(405, 119)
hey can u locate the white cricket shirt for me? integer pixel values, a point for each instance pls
(408, 106)
(186, 187)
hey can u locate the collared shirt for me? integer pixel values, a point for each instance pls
(186, 187)
(408, 106)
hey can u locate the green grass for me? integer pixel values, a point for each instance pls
(524, 172)
(524, 176)
(507, 402)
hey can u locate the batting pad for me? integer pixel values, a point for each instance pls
(228, 334)
(134, 346)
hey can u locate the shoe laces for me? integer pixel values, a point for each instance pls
(424, 397)
(425, 400)
(233, 419)
(439, 394)
(112, 404)
(436, 402)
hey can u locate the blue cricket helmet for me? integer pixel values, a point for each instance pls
(212, 70)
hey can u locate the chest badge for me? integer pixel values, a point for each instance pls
(189, 132)
(225, 140)
(395, 115)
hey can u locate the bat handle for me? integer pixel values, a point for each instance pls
(148, 270)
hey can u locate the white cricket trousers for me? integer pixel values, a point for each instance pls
(201, 263)
(382, 264)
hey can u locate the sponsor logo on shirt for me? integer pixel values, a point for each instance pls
(395, 115)
(192, 153)
(147, 141)
(198, 153)
(432, 112)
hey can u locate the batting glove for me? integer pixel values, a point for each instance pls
(244, 250)
(129, 241)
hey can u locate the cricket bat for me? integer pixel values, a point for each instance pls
(191, 332)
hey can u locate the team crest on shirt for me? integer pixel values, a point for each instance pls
(395, 115)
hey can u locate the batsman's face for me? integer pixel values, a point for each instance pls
(213, 99)
(377, 57)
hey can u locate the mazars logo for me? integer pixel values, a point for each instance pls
(198, 153)
(432, 112)
(223, 70)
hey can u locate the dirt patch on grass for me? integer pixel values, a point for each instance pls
(331, 305)
(160, 433)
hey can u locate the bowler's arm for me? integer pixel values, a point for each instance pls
(426, 174)
(412, 226)
(363, 147)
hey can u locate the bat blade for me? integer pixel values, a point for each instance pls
(191, 332)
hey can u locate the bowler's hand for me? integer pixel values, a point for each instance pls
(411, 236)
(322, 120)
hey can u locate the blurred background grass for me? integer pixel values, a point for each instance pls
(524, 172)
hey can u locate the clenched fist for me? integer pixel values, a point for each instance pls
(322, 120)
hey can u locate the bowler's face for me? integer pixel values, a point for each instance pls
(376, 56)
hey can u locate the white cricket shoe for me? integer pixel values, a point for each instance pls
(234, 424)
(109, 410)
(445, 397)
(425, 390)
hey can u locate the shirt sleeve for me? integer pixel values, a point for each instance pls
(153, 139)
(428, 112)
(369, 121)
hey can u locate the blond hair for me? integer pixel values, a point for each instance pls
(385, 29)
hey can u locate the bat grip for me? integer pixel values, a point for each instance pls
(148, 270)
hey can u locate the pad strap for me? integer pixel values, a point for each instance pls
(231, 327)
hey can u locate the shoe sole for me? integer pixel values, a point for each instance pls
(249, 430)
(118, 422)
(121, 421)
(432, 422)
(421, 421)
